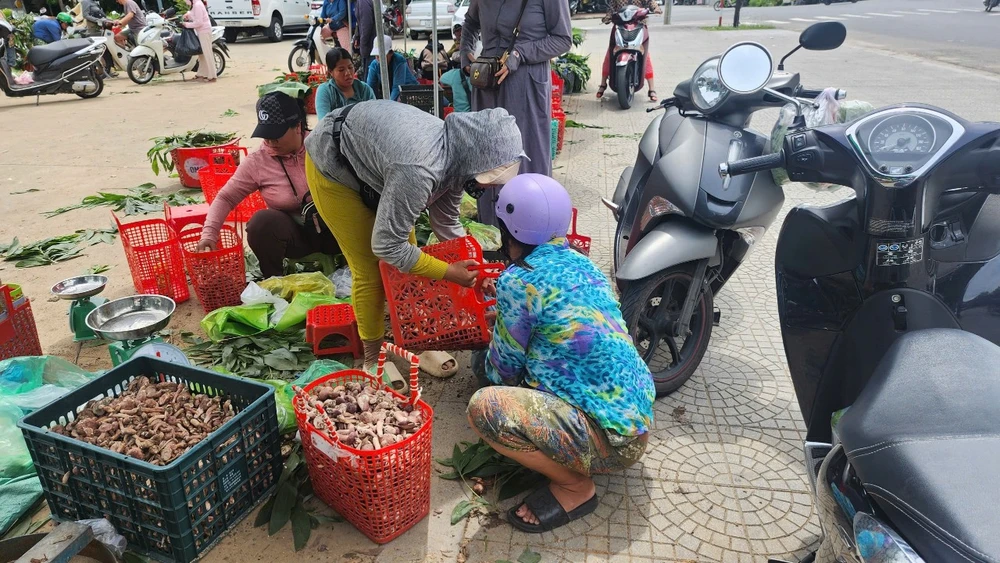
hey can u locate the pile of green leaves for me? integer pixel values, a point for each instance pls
(159, 154)
(577, 65)
(268, 355)
(139, 200)
(24, 38)
(578, 36)
(477, 460)
(54, 249)
(287, 504)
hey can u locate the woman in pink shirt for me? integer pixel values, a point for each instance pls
(277, 170)
(197, 19)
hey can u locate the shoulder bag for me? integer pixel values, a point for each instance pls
(483, 72)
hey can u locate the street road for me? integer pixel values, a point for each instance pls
(952, 31)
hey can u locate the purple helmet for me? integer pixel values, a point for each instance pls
(535, 209)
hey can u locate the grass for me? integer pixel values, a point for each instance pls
(742, 27)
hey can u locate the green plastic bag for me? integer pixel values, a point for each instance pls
(318, 369)
(241, 320)
(469, 209)
(286, 287)
(487, 236)
(31, 382)
(16, 460)
(300, 306)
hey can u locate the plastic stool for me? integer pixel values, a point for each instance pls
(183, 215)
(333, 320)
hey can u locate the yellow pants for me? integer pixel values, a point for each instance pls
(352, 224)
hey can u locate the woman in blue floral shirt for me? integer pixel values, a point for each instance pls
(572, 397)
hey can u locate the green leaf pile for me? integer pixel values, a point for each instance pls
(54, 249)
(159, 155)
(268, 355)
(470, 460)
(139, 200)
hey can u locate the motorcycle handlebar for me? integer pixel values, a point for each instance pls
(753, 164)
(813, 94)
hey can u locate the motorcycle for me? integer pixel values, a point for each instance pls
(629, 54)
(889, 306)
(159, 36)
(69, 66)
(310, 50)
(118, 54)
(392, 17)
(682, 230)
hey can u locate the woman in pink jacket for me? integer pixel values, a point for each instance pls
(197, 19)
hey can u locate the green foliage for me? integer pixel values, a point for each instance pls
(159, 155)
(139, 200)
(764, 3)
(54, 249)
(24, 40)
(480, 463)
(578, 36)
(268, 355)
(181, 7)
(577, 65)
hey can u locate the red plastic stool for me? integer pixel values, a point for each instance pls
(183, 215)
(333, 320)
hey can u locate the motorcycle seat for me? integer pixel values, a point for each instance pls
(924, 437)
(44, 54)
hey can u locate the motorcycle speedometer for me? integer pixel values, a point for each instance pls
(707, 90)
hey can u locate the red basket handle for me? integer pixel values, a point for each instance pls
(574, 233)
(487, 271)
(388, 347)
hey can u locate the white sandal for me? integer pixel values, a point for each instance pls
(441, 365)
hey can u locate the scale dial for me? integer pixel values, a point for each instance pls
(163, 351)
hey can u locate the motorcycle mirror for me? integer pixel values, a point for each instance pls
(745, 68)
(823, 36)
(169, 12)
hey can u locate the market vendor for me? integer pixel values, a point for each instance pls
(277, 171)
(342, 88)
(572, 398)
(373, 168)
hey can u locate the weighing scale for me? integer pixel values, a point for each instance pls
(82, 290)
(131, 322)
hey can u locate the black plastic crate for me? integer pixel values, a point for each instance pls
(421, 96)
(174, 512)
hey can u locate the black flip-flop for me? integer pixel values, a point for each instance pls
(548, 511)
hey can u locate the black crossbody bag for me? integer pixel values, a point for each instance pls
(369, 196)
(483, 72)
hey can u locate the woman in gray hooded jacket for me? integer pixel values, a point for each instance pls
(373, 168)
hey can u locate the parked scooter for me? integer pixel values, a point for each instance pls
(70, 66)
(118, 54)
(682, 230)
(628, 54)
(149, 57)
(310, 50)
(392, 18)
(888, 303)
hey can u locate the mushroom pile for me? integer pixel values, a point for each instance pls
(366, 418)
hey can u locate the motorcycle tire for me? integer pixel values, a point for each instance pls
(717, 6)
(638, 296)
(220, 62)
(299, 54)
(625, 91)
(140, 62)
(99, 80)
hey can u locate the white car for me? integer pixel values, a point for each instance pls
(461, 7)
(419, 18)
(273, 17)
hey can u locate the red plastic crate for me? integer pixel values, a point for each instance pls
(333, 320)
(429, 314)
(189, 161)
(558, 87)
(560, 116)
(381, 492)
(18, 333)
(220, 169)
(218, 276)
(154, 258)
(578, 241)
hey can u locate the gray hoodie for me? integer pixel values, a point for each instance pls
(417, 162)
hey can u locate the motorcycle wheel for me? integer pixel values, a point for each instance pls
(220, 62)
(99, 80)
(648, 319)
(717, 6)
(624, 85)
(298, 59)
(140, 69)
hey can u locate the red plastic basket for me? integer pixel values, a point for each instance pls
(214, 176)
(189, 161)
(578, 241)
(314, 82)
(431, 314)
(18, 333)
(154, 258)
(219, 276)
(558, 86)
(381, 492)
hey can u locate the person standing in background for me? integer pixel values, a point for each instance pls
(335, 11)
(525, 81)
(133, 18)
(197, 19)
(366, 34)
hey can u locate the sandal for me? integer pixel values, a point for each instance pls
(601, 91)
(441, 365)
(548, 511)
(652, 96)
